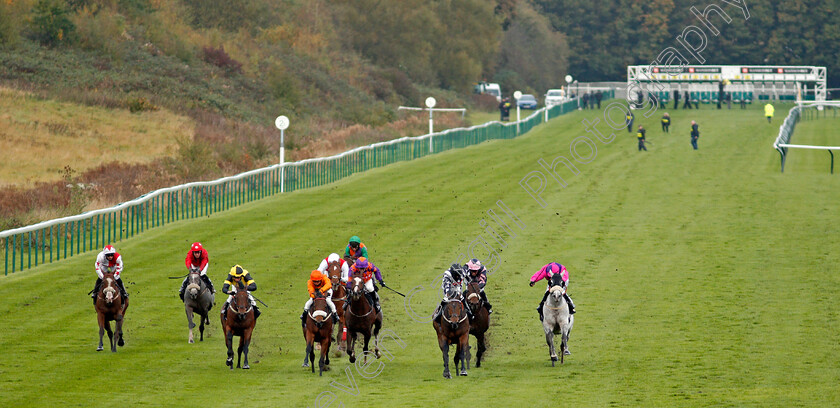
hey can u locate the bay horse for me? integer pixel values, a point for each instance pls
(480, 321)
(454, 328)
(110, 305)
(361, 318)
(319, 328)
(239, 321)
(556, 318)
(198, 299)
(339, 297)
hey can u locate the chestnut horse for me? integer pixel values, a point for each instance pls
(319, 327)
(480, 321)
(339, 297)
(454, 328)
(361, 318)
(239, 321)
(110, 305)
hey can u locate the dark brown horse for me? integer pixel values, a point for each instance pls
(480, 321)
(239, 321)
(454, 328)
(339, 297)
(110, 305)
(319, 327)
(361, 318)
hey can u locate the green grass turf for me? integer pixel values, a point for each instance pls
(702, 278)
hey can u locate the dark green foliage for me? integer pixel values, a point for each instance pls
(51, 23)
(221, 59)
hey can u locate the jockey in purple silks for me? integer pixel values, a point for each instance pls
(368, 271)
(477, 273)
(545, 273)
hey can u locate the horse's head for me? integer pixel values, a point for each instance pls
(473, 296)
(357, 287)
(454, 313)
(194, 284)
(108, 290)
(319, 310)
(557, 288)
(241, 304)
(334, 272)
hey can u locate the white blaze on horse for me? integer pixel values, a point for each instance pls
(557, 319)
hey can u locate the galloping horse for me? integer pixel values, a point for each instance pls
(453, 329)
(319, 325)
(361, 317)
(339, 297)
(110, 305)
(480, 321)
(199, 300)
(239, 321)
(556, 318)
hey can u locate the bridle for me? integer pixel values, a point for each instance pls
(353, 295)
(443, 314)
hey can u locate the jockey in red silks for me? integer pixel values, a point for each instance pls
(197, 259)
(345, 267)
(368, 271)
(108, 261)
(545, 273)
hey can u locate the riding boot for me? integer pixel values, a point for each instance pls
(571, 304)
(122, 289)
(224, 311)
(540, 307)
(438, 312)
(467, 309)
(486, 303)
(95, 291)
(335, 318)
(183, 288)
(303, 319)
(257, 312)
(208, 282)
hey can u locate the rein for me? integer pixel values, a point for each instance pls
(451, 322)
(350, 309)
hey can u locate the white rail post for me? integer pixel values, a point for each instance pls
(282, 123)
(430, 103)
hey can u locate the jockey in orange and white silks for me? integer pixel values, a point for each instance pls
(108, 261)
(476, 273)
(318, 283)
(345, 267)
(453, 279)
(368, 271)
(545, 273)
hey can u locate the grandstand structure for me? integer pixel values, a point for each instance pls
(746, 83)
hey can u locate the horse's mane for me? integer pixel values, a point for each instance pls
(556, 279)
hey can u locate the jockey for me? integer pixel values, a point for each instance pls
(368, 271)
(545, 273)
(108, 261)
(236, 276)
(197, 258)
(453, 278)
(478, 274)
(318, 283)
(345, 268)
(355, 250)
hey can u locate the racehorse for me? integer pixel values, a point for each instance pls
(480, 321)
(198, 299)
(110, 305)
(556, 318)
(453, 329)
(319, 327)
(361, 318)
(239, 321)
(339, 297)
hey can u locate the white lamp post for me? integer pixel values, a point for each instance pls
(282, 123)
(517, 95)
(430, 103)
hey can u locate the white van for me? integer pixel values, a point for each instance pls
(554, 97)
(489, 88)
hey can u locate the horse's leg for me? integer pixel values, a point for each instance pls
(110, 336)
(239, 351)
(377, 324)
(229, 343)
(365, 348)
(481, 347)
(327, 359)
(322, 361)
(201, 327)
(444, 348)
(247, 337)
(549, 339)
(351, 347)
(101, 319)
(464, 344)
(118, 331)
(190, 323)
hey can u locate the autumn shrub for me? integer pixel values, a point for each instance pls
(221, 59)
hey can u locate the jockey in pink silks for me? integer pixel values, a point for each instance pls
(545, 273)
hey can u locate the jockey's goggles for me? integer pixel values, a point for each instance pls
(109, 255)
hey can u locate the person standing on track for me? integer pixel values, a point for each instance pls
(641, 136)
(695, 134)
(666, 122)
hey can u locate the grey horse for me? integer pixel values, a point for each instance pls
(198, 299)
(557, 320)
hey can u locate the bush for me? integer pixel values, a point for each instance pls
(50, 23)
(221, 59)
(140, 104)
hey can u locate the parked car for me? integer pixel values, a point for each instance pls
(489, 88)
(554, 97)
(527, 101)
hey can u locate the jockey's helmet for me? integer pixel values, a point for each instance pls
(317, 278)
(474, 264)
(237, 272)
(355, 241)
(196, 246)
(456, 270)
(333, 257)
(109, 250)
(361, 263)
(553, 268)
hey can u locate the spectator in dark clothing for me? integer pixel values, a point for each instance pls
(695, 134)
(687, 103)
(641, 136)
(585, 100)
(629, 119)
(720, 94)
(639, 99)
(598, 97)
(504, 109)
(729, 100)
(666, 122)
(676, 99)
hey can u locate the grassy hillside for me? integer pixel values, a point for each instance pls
(702, 278)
